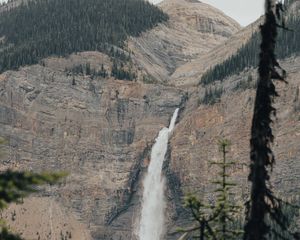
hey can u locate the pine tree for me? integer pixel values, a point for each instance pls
(211, 96)
(225, 209)
(202, 214)
(263, 204)
(62, 27)
(248, 55)
(88, 69)
(216, 221)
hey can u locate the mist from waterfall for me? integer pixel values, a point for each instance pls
(154, 204)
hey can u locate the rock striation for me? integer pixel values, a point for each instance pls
(194, 28)
(101, 130)
(98, 130)
(195, 141)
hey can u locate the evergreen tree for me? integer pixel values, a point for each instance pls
(211, 96)
(88, 69)
(202, 215)
(225, 209)
(119, 72)
(248, 55)
(14, 186)
(41, 28)
(216, 221)
(263, 204)
(103, 73)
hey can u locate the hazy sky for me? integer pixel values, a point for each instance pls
(243, 11)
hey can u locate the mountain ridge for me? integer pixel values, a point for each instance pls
(192, 30)
(101, 129)
(64, 27)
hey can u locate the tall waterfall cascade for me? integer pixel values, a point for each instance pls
(153, 206)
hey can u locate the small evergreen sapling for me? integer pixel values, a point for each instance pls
(225, 208)
(216, 221)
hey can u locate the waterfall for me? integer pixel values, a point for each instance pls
(153, 205)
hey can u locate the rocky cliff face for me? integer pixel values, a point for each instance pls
(195, 141)
(101, 130)
(98, 130)
(196, 137)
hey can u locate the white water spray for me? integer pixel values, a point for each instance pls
(153, 206)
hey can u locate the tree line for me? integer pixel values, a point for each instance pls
(248, 55)
(266, 216)
(41, 28)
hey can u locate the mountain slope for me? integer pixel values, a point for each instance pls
(190, 73)
(60, 114)
(97, 129)
(39, 28)
(193, 29)
(195, 141)
(228, 115)
(239, 52)
(247, 55)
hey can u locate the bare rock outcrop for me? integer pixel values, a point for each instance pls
(189, 74)
(98, 130)
(195, 141)
(101, 130)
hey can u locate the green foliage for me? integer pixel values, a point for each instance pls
(6, 235)
(225, 208)
(248, 55)
(218, 220)
(245, 84)
(291, 212)
(120, 55)
(14, 186)
(203, 215)
(119, 72)
(42, 28)
(102, 73)
(76, 70)
(212, 95)
(17, 185)
(148, 79)
(85, 69)
(263, 204)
